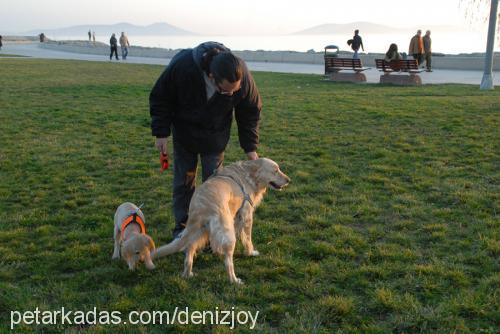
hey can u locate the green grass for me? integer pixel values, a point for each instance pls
(389, 225)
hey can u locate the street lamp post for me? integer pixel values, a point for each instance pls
(487, 82)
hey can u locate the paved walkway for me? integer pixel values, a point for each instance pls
(372, 75)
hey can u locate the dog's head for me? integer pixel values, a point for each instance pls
(136, 249)
(267, 173)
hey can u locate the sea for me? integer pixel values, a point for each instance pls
(445, 42)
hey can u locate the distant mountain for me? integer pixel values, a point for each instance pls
(102, 29)
(368, 27)
(347, 28)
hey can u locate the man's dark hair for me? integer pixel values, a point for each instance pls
(225, 65)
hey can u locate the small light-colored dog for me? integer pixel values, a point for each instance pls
(222, 208)
(131, 241)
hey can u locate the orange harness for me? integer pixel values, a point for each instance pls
(134, 218)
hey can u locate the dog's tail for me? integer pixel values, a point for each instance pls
(175, 246)
(187, 238)
(192, 236)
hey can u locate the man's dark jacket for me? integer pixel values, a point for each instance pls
(179, 101)
(356, 42)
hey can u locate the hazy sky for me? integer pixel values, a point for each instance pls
(224, 17)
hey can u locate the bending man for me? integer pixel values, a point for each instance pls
(193, 100)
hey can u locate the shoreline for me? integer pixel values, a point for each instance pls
(473, 61)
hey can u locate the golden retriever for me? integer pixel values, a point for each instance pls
(222, 208)
(131, 241)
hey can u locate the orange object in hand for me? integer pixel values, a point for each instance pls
(163, 162)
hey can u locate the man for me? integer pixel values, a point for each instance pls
(427, 50)
(124, 45)
(89, 33)
(416, 47)
(194, 100)
(357, 42)
(113, 44)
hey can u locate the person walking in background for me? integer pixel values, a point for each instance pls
(113, 43)
(194, 99)
(124, 44)
(416, 48)
(93, 37)
(1, 42)
(90, 35)
(357, 43)
(427, 50)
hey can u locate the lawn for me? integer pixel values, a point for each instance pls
(389, 225)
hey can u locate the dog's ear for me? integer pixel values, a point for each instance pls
(151, 244)
(253, 168)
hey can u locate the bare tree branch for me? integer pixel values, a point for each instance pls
(477, 12)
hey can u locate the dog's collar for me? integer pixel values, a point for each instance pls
(134, 218)
(246, 197)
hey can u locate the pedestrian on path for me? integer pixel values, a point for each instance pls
(357, 42)
(427, 50)
(113, 43)
(416, 48)
(124, 45)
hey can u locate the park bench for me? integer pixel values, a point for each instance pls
(407, 70)
(334, 66)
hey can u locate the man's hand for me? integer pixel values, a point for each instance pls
(161, 145)
(252, 156)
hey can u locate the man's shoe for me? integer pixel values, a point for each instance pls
(177, 232)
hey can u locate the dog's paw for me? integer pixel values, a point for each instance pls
(254, 253)
(188, 275)
(238, 281)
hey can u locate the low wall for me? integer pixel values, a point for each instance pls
(451, 62)
(448, 62)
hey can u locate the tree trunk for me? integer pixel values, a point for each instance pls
(487, 82)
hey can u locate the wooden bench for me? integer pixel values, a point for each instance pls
(334, 66)
(408, 67)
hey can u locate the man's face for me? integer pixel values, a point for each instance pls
(228, 88)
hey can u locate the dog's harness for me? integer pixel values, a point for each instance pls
(134, 218)
(246, 197)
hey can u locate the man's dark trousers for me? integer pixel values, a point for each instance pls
(185, 166)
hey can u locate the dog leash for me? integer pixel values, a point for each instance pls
(139, 207)
(246, 197)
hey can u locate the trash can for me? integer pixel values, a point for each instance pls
(331, 51)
